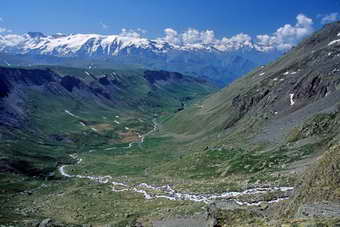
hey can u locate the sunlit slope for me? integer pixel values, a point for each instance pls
(300, 84)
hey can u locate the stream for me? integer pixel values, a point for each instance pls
(166, 191)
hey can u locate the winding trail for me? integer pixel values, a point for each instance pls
(166, 192)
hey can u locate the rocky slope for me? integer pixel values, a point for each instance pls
(298, 85)
(284, 116)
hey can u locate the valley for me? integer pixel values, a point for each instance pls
(90, 145)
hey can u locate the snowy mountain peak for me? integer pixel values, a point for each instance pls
(106, 45)
(35, 34)
(213, 58)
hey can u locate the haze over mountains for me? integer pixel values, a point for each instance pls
(193, 52)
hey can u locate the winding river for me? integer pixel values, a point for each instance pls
(166, 191)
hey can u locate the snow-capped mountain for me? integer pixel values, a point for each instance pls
(219, 61)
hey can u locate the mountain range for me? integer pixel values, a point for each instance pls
(221, 62)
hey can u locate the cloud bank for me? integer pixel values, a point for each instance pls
(2, 30)
(288, 35)
(283, 38)
(329, 18)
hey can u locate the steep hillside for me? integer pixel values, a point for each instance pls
(287, 92)
(318, 194)
(270, 127)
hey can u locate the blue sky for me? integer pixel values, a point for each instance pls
(224, 17)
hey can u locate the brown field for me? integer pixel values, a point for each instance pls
(128, 137)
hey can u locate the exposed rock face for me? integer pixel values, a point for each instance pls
(308, 73)
(104, 81)
(45, 223)
(13, 82)
(69, 82)
(319, 210)
(4, 87)
(318, 194)
(232, 215)
(243, 103)
(27, 77)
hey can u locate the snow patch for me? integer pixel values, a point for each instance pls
(71, 114)
(334, 42)
(291, 96)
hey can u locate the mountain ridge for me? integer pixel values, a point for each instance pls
(279, 123)
(221, 63)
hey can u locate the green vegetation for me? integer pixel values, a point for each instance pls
(211, 146)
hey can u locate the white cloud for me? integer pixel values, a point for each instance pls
(189, 37)
(288, 35)
(4, 30)
(236, 41)
(104, 26)
(208, 36)
(171, 36)
(329, 18)
(140, 30)
(283, 38)
(137, 33)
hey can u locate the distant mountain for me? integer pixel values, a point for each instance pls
(222, 63)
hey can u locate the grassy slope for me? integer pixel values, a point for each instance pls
(53, 135)
(216, 123)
